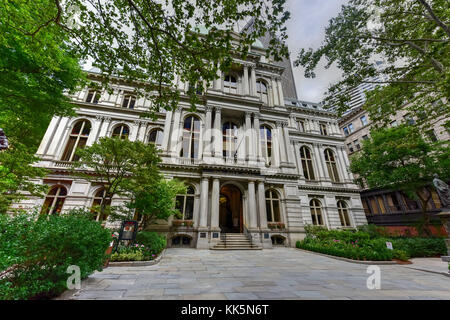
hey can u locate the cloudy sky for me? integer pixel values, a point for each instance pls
(306, 28)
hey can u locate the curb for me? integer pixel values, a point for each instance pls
(350, 260)
(137, 263)
(430, 271)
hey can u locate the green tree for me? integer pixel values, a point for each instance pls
(150, 39)
(412, 38)
(111, 162)
(399, 158)
(16, 170)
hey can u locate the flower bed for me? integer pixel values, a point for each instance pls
(149, 245)
(361, 245)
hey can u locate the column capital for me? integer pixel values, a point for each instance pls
(208, 108)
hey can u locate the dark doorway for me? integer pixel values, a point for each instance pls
(230, 209)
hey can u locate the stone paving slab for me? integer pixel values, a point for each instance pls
(281, 273)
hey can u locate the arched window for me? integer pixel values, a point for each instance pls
(93, 96)
(261, 90)
(77, 140)
(230, 84)
(191, 137)
(316, 212)
(343, 213)
(99, 201)
(185, 203)
(331, 165)
(156, 137)
(230, 136)
(266, 143)
(272, 206)
(122, 132)
(129, 101)
(55, 200)
(307, 164)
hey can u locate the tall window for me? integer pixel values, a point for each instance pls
(323, 129)
(122, 132)
(331, 165)
(54, 201)
(93, 96)
(185, 204)
(363, 120)
(301, 125)
(129, 101)
(307, 164)
(230, 136)
(77, 140)
(266, 143)
(316, 212)
(272, 206)
(156, 137)
(230, 84)
(98, 202)
(261, 90)
(191, 137)
(343, 213)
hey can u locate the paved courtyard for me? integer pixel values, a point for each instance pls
(281, 273)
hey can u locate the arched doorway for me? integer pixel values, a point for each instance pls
(230, 209)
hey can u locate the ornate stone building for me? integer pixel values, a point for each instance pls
(255, 162)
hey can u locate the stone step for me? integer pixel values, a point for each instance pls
(235, 241)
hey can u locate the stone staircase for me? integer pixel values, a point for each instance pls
(235, 241)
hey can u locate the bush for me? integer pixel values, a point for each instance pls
(35, 252)
(155, 242)
(136, 252)
(421, 247)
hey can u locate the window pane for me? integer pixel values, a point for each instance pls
(189, 210)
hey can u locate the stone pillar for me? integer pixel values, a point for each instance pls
(343, 164)
(245, 83)
(203, 239)
(319, 163)
(275, 93)
(94, 131)
(167, 129)
(252, 215)
(270, 94)
(207, 134)
(134, 130)
(142, 131)
(253, 80)
(104, 127)
(282, 143)
(257, 140)
(248, 135)
(175, 132)
(280, 92)
(49, 136)
(215, 205)
(218, 82)
(289, 152)
(262, 206)
(60, 135)
(218, 141)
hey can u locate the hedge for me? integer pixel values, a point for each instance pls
(35, 252)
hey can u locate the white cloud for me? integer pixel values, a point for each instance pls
(306, 28)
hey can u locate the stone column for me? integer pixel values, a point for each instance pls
(94, 131)
(218, 134)
(204, 203)
(218, 82)
(319, 162)
(343, 164)
(275, 92)
(104, 127)
(270, 94)
(282, 143)
(280, 92)
(134, 130)
(207, 134)
(167, 129)
(60, 135)
(253, 80)
(251, 205)
(262, 206)
(257, 137)
(245, 83)
(290, 155)
(49, 136)
(175, 132)
(215, 205)
(142, 131)
(248, 135)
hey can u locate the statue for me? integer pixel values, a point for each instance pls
(443, 191)
(3, 140)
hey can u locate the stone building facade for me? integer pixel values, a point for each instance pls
(254, 161)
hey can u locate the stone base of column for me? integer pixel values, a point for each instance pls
(266, 241)
(203, 238)
(215, 236)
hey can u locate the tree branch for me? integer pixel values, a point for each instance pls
(438, 21)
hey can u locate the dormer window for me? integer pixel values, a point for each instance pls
(129, 101)
(93, 96)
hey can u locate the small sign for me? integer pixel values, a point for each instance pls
(128, 230)
(215, 235)
(389, 245)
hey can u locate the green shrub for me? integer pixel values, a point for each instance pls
(421, 247)
(135, 252)
(35, 252)
(155, 242)
(400, 254)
